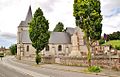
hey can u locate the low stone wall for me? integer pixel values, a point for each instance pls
(26, 58)
(48, 60)
(74, 61)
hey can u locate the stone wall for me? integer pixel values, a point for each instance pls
(30, 58)
(74, 61)
(48, 60)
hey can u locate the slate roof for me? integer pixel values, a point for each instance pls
(28, 18)
(25, 37)
(70, 30)
(59, 38)
(29, 15)
(23, 23)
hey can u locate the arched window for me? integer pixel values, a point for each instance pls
(47, 48)
(27, 47)
(59, 48)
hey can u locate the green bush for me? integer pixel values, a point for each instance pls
(13, 49)
(38, 59)
(101, 41)
(1, 54)
(94, 69)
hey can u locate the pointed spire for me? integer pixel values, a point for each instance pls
(29, 15)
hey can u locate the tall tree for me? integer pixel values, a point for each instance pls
(13, 49)
(88, 18)
(59, 27)
(38, 32)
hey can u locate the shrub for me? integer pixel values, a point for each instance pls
(94, 69)
(38, 59)
(101, 41)
(1, 54)
(13, 49)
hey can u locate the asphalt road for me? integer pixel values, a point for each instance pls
(9, 72)
(10, 68)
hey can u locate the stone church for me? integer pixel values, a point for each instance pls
(67, 43)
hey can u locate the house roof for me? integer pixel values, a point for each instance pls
(59, 38)
(70, 30)
(25, 37)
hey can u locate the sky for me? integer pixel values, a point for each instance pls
(14, 11)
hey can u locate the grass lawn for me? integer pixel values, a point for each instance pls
(113, 43)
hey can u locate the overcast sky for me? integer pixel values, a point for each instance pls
(13, 11)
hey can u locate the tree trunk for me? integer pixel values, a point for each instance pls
(88, 47)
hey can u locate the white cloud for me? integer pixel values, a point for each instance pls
(111, 15)
(11, 16)
(54, 11)
(13, 11)
(62, 13)
(8, 35)
(46, 5)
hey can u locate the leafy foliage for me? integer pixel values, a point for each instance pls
(101, 41)
(94, 69)
(88, 18)
(59, 27)
(114, 36)
(13, 49)
(38, 31)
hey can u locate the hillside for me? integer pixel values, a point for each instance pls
(113, 43)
